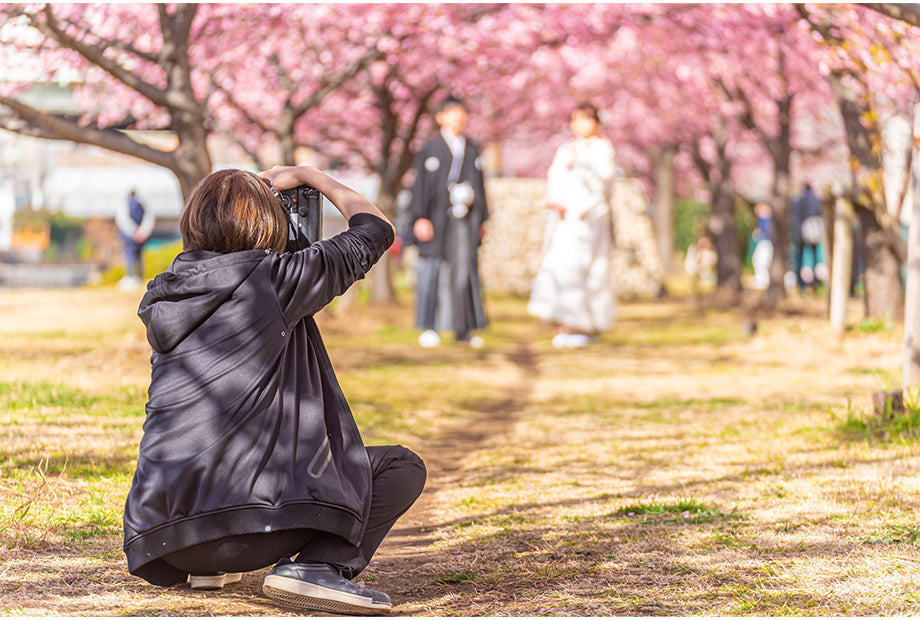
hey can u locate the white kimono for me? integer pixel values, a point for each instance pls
(574, 284)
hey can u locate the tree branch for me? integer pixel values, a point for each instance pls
(236, 105)
(124, 46)
(40, 124)
(907, 13)
(95, 55)
(747, 118)
(349, 71)
(822, 29)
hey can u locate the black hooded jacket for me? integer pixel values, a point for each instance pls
(247, 429)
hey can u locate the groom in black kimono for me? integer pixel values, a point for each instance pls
(447, 211)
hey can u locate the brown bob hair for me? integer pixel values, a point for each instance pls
(232, 211)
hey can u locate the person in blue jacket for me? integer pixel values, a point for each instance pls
(135, 224)
(251, 456)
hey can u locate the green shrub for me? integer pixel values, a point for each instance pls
(157, 257)
(690, 223)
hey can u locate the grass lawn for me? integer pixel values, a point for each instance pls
(678, 467)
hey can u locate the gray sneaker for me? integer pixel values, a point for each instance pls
(322, 588)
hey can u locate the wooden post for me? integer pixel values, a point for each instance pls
(841, 262)
(911, 374)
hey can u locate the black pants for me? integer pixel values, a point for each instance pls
(398, 478)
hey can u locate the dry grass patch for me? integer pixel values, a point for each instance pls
(709, 482)
(676, 468)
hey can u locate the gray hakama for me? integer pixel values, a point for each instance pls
(448, 290)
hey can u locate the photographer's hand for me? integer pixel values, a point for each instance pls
(346, 200)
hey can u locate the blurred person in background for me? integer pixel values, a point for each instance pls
(762, 245)
(574, 289)
(808, 239)
(135, 223)
(447, 215)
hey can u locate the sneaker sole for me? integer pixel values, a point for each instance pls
(213, 582)
(301, 595)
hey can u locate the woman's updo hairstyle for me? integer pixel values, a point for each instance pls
(589, 110)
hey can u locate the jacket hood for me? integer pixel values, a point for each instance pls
(190, 291)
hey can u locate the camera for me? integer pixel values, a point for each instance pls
(304, 205)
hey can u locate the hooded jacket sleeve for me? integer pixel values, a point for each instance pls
(309, 279)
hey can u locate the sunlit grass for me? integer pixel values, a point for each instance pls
(687, 510)
(42, 399)
(677, 468)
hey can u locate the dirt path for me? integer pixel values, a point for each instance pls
(411, 542)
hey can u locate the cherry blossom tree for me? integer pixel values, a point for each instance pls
(705, 90)
(263, 97)
(139, 77)
(675, 81)
(494, 56)
(165, 67)
(870, 70)
(784, 55)
(760, 65)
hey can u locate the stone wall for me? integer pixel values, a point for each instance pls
(636, 260)
(510, 253)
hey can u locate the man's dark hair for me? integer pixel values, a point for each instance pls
(451, 102)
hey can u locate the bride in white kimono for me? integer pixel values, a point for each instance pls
(574, 288)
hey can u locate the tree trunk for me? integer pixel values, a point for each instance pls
(782, 155)
(189, 178)
(382, 289)
(721, 223)
(286, 136)
(721, 226)
(664, 204)
(191, 160)
(884, 287)
(381, 275)
(780, 233)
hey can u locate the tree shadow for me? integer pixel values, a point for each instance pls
(611, 565)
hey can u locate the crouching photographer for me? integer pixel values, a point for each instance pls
(251, 456)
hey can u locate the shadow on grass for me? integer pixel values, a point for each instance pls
(620, 565)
